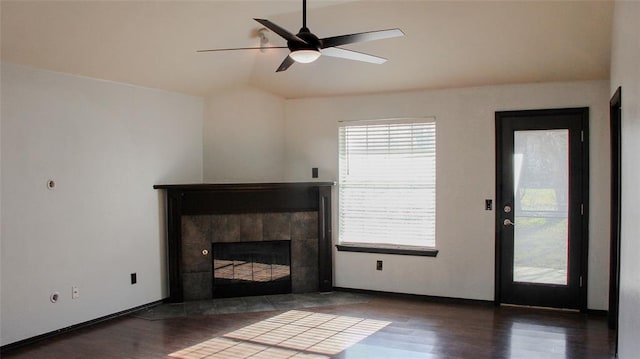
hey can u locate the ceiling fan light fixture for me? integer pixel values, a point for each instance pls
(304, 56)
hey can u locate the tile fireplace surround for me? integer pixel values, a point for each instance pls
(201, 214)
(198, 232)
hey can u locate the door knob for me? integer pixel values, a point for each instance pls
(507, 222)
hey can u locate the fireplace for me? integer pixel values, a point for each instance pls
(251, 268)
(243, 234)
(244, 221)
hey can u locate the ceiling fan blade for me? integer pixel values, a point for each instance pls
(288, 61)
(359, 37)
(280, 31)
(352, 55)
(245, 48)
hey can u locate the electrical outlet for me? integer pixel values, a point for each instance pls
(75, 292)
(314, 172)
(379, 265)
(134, 278)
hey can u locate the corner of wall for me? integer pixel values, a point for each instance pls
(243, 136)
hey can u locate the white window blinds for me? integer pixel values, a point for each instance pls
(387, 182)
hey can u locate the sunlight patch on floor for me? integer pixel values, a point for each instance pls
(293, 334)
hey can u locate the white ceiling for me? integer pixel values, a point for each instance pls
(447, 43)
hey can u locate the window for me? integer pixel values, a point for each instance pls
(387, 183)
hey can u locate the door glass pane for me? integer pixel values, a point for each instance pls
(541, 198)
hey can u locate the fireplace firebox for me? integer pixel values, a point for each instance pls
(251, 268)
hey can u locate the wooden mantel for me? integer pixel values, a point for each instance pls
(205, 199)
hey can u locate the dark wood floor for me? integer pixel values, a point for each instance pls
(419, 328)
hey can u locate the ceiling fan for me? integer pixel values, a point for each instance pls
(305, 47)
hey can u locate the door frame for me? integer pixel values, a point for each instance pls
(584, 240)
(615, 118)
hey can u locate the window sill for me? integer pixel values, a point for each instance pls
(387, 249)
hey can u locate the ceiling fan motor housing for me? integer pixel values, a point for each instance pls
(312, 41)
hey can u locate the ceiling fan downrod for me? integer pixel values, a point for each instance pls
(304, 14)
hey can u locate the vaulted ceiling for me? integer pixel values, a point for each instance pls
(447, 43)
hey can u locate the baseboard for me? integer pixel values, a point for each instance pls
(437, 299)
(597, 312)
(28, 341)
(431, 298)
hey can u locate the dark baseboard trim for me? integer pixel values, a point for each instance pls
(597, 312)
(450, 300)
(37, 338)
(430, 298)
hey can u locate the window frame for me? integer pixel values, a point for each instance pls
(392, 248)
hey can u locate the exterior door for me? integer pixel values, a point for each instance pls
(541, 212)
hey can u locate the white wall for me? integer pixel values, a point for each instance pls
(244, 136)
(464, 268)
(625, 72)
(105, 144)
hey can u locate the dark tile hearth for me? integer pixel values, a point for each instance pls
(251, 304)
